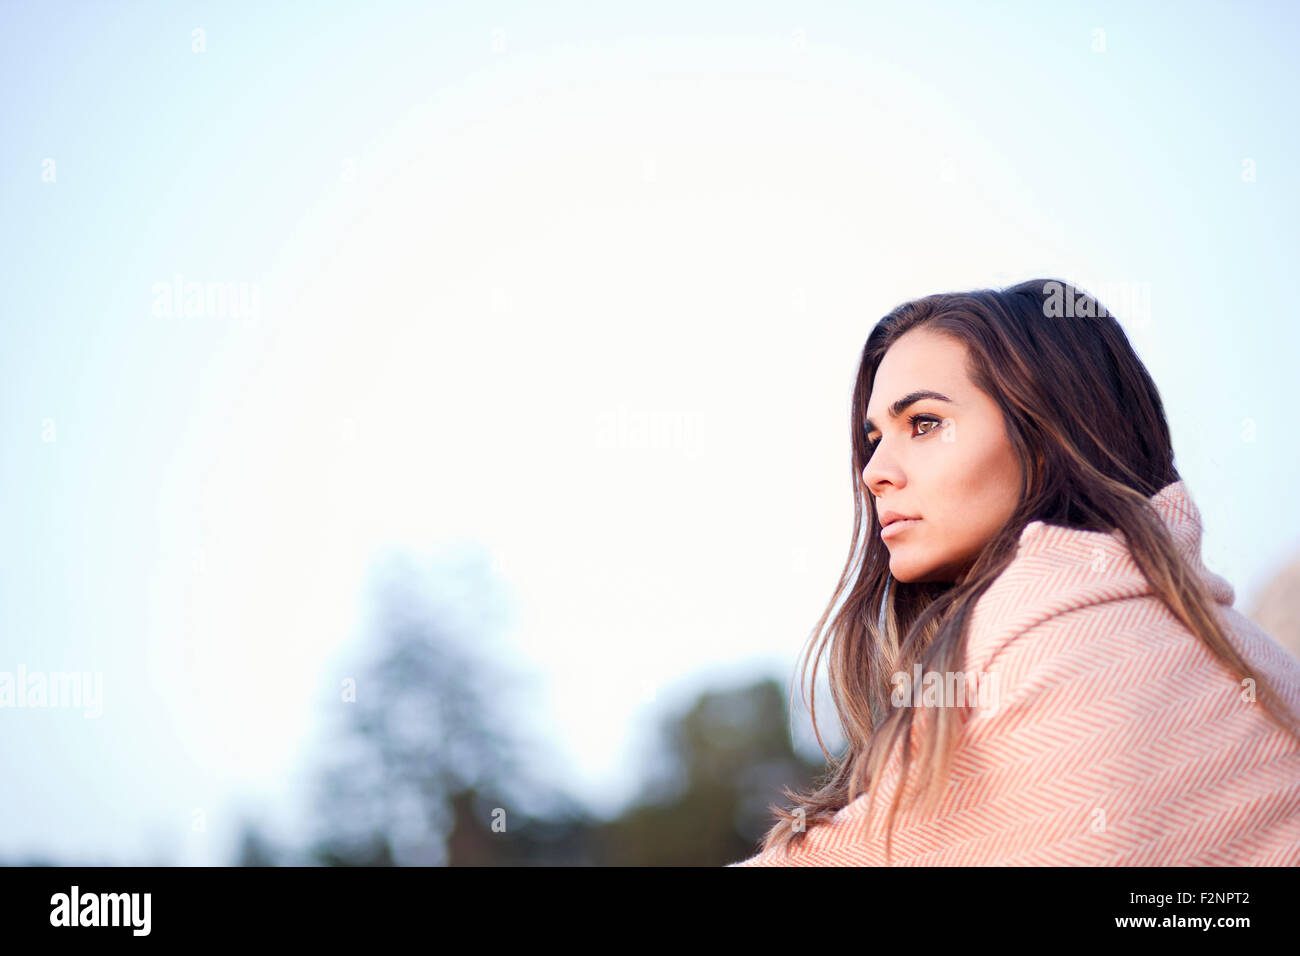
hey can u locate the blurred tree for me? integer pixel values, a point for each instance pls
(564, 838)
(730, 755)
(425, 720)
(254, 848)
(427, 762)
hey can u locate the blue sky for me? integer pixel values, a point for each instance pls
(488, 243)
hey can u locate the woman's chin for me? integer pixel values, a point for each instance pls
(912, 571)
(904, 570)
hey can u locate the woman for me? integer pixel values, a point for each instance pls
(1029, 611)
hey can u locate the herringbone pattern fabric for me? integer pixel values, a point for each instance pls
(1116, 738)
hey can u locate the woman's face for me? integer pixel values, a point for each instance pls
(945, 461)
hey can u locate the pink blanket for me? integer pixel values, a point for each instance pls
(1112, 736)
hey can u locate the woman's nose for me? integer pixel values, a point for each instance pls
(880, 471)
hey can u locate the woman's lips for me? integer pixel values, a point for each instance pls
(897, 527)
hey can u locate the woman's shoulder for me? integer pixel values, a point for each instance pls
(1070, 597)
(1056, 571)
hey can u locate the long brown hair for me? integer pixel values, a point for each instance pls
(1087, 424)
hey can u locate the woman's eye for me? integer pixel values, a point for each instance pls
(925, 420)
(914, 421)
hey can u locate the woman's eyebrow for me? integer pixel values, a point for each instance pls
(910, 398)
